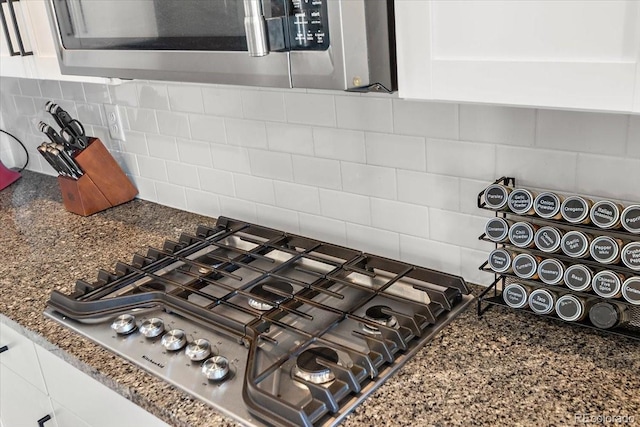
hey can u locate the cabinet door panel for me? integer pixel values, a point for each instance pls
(94, 403)
(21, 404)
(21, 356)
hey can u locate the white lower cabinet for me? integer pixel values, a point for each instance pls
(93, 403)
(22, 404)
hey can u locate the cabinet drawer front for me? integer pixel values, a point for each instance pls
(22, 404)
(20, 356)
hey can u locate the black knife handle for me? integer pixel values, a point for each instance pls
(3, 349)
(43, 420)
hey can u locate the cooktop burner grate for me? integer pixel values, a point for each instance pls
(321, 325)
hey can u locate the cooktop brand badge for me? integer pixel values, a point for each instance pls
(153, 362)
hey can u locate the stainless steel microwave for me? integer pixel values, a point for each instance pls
(323, 44)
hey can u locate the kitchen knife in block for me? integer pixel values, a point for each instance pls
(82, 196)
(102, 186)
(106, 173)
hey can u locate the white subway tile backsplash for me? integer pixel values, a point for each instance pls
(50, 89)
(152, 95)
(430, 119)
(142, 120)
(525, 164)
(246, 133)
(152, 168)
(323, 228)
(136, 143)
(400, 217)
(163, 147)
(462, 159)
(254, 189)
(238, 209)
(344, 206)
(95, 92)
(174, 124)
(580, 131)
(194, 152)
(222, 102)
(427, 189)
(290, 138)
(128, 162)
(10, 86)
(282, 219)
(146, 188)
(431, 254)
(125, 94)
(457, 229)
(263, 105)
(24, 105)
(470, 260)
(339, 144)
(310, 109)
(605, 176)
(202, 203)
(469, 190)
(216, 181)
(397, 151)
(323, 173)
(230, 158)
(89, 114)
(364, 113)
(301, 198)
(502, 125)
(182, 174)
(72, 91)
(369, 180)
(171, 195)
(207, 128)
(268, 164)
(29, 87)
(185, 98)
(373, 240)
(633, 139)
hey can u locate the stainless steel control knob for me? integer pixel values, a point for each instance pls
(198, 350)
(216, 368)
(153, 327)
(174, 340)
(124, 324)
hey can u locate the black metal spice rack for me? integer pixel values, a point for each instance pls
(492, 295)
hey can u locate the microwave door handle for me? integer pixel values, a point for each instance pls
(256, 28)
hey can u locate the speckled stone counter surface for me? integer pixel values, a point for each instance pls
(504, 369)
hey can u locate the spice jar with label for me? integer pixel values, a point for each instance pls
(606, 214)
(548, 239)
(575, 209)
(547, 205)
(578, 277)
(521, 201)
(496, 196)
(521, 234)
(576, 244)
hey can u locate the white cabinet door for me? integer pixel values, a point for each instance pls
(562, 53)
(15, 66)
(94, 403)
(20, 356)
(22, 404)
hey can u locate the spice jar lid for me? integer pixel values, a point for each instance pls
(577, 277)
(604, 249)
(547, 205)
(631, 290)
(575, 209)
(551, 271)
(496, 229)
(496, 196)
(631, 255)
(521, 234)
(605, 214)
(575, 244)
(525, 266)
(548, 239)
(604, 315)
(500, 260)
(541, 301)
(569, 308)
(630, 219)
(515, 295)
(520, 201)
(606, 283)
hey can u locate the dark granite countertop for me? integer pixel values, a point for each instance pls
(504, 369)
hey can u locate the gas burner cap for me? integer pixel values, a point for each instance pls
(376, 314)
(260, 291)
(310, 370)
(124, 324)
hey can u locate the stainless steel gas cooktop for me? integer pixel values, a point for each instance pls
(267, 327)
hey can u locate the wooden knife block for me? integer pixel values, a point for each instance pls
(102, 186)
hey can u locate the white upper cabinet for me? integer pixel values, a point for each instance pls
(566, 54)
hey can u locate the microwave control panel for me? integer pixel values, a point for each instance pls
(308, 25)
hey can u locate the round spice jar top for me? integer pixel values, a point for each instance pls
(521, 201)
(496, 196)
(575, 209)
(547, 205)
(605, 214)
(630, 219)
